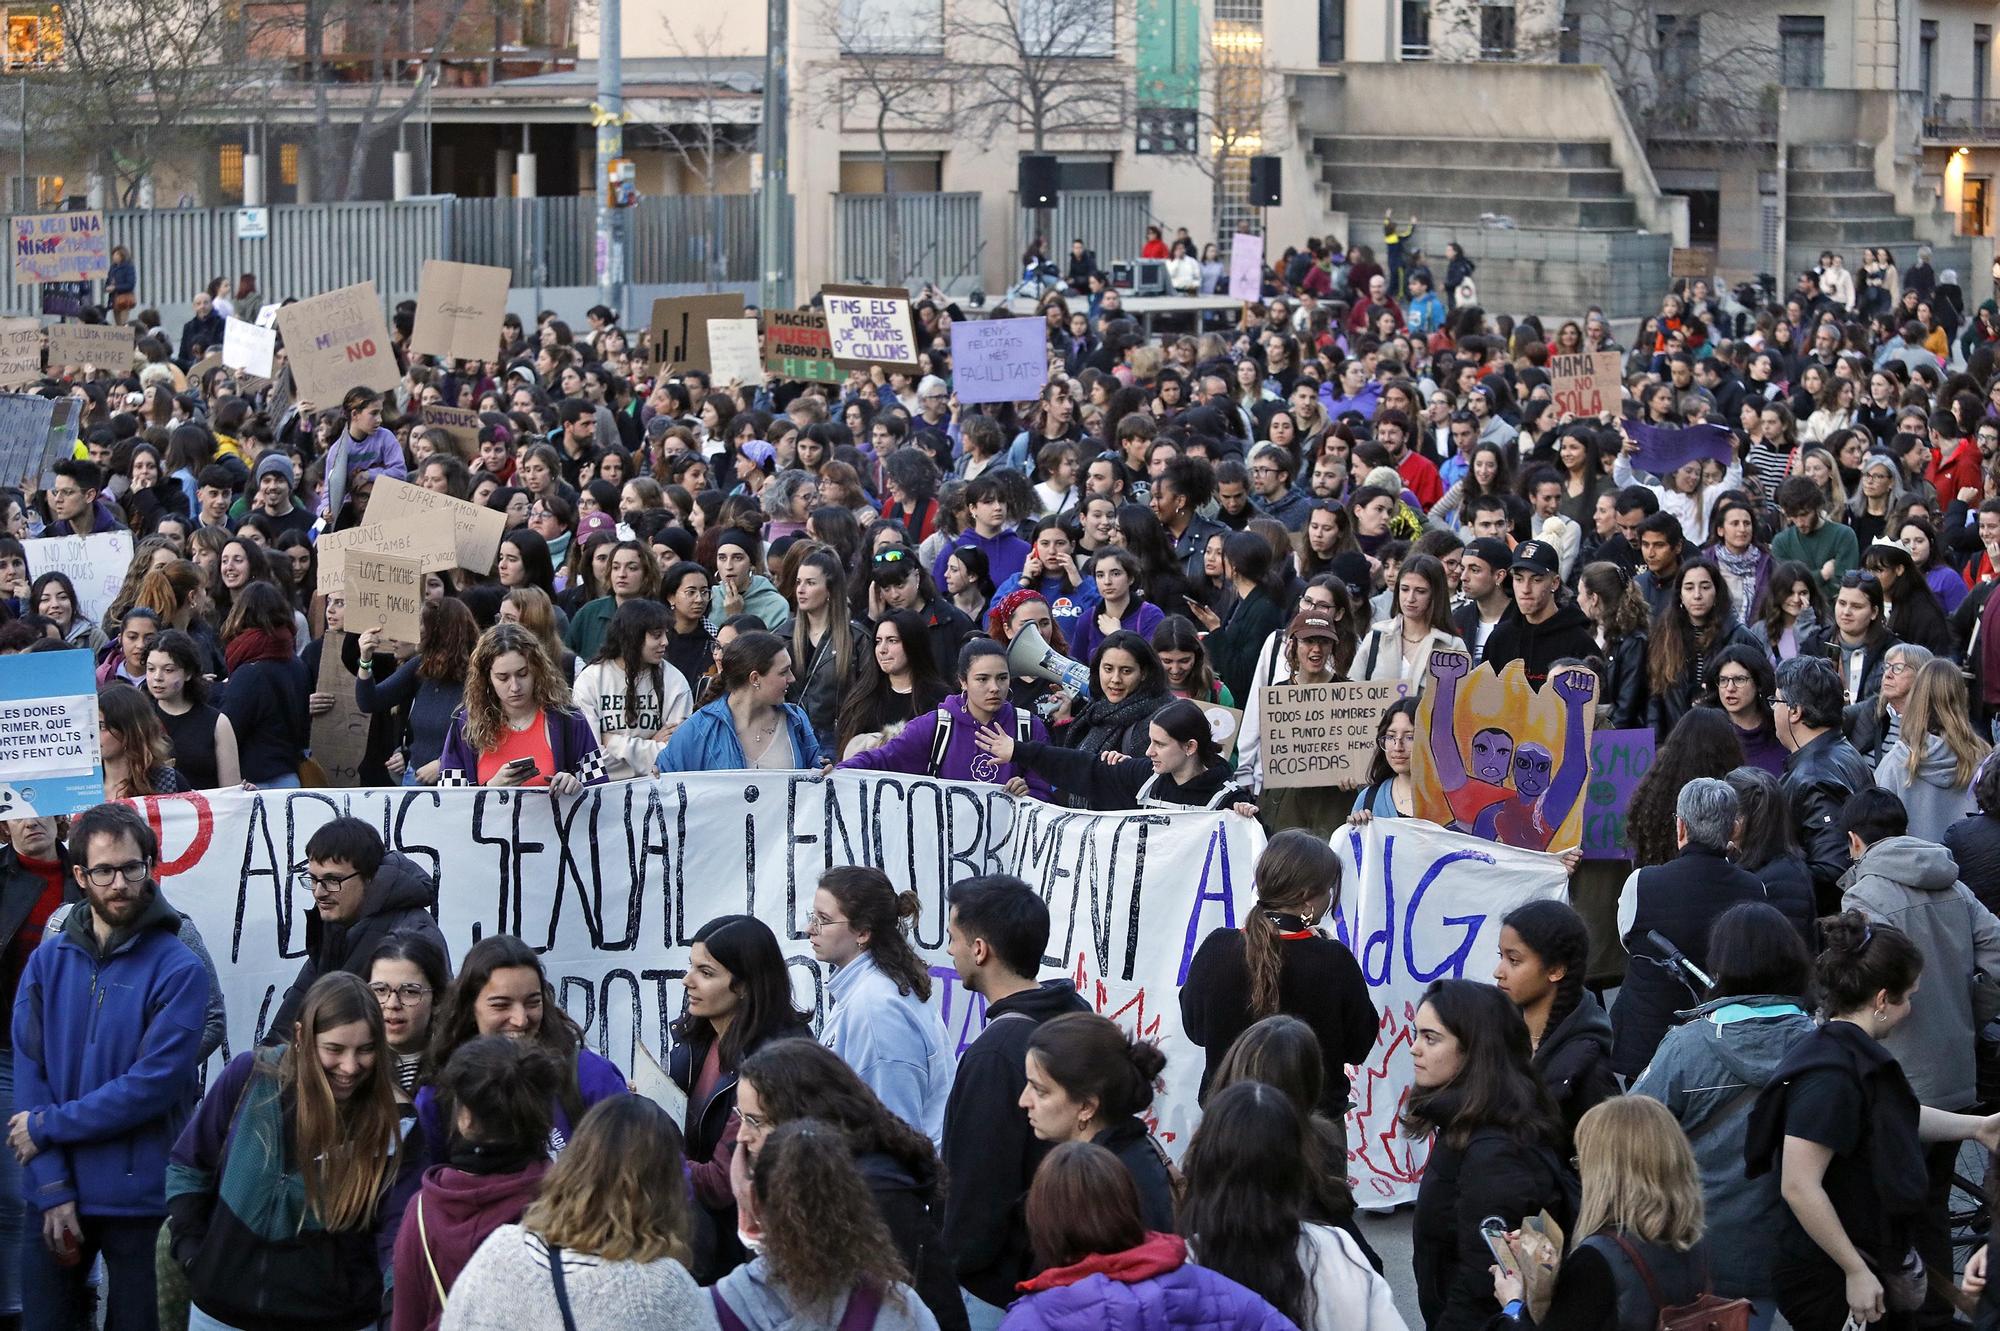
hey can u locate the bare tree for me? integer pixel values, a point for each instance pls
(713, 127)
(1708, 68)
(1044, 68)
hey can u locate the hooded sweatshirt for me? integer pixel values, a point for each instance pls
(1707, 1072)
(760, 599)
(445, 1225)
(1935, 798)
(761, 1304)
(1565, 633)
(910, 749)
(1913, 884)
(1153, 1287)
(400, 898)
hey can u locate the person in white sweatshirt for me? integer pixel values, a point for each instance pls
(631, 697)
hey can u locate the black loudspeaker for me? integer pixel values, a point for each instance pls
(1266, 182)
(1038, 180)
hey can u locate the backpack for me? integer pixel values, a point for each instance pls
(941, 737)
(1710, 1312)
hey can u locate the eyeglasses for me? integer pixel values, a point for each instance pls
(817, 920)
(1897, 668)
(405, 994)
(1398, 741)
(754, 1122)
(104, 875)
(1859, 577)
(1731, 681)
(323, 883)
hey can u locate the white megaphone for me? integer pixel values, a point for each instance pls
(1029, 655)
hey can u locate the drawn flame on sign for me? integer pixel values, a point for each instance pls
(1381, 1156)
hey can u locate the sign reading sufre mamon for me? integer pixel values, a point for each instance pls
(61, 247)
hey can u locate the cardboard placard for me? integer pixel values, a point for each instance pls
(24, 439)
(385, 592)
(339, 734)
(795, 346)
(678, 333)
(1586, 383)
(870, 326)
(457, 424)
(20, 352)
(476, 530)
(107, 346)
(248, 348)
(428, 541)
(732, 352)
(1225, 724)
(1618, 758)
(1246, 267)
(49, 759)
(999, 360)
(459, 309)
(1690, 263)
(337, 341)
(1323, 734)
(61, 247)
(95, 564)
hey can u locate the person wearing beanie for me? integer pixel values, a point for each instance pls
(273, 510)
(739, 588)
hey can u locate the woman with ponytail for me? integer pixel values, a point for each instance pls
(1544, 954)
(1088, 1081)
(1280, 962)
(881, 1021)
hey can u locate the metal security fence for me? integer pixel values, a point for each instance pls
(936, 239)
(1111, 223)
(553, 241)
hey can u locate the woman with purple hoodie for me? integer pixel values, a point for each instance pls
(941, 744)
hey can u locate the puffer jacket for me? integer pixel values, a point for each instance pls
(1153, 1287)
(1575, 1061)
(1708, 1072)
(1913, 884)
(1934, 798)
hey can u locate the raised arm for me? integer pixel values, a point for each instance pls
(1577, 692)
(1447, 668)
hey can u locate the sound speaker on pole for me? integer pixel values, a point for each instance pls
(1037, 184)
(1266, 182)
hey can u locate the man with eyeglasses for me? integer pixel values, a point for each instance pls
(1271, 472)
(107, 1033)
(1822, 771)
(361, 893)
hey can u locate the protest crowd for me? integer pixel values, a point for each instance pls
(1735, 1069)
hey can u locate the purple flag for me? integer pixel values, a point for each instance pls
(1664, 450)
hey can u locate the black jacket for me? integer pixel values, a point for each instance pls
(1818, 780)
(1974, 842)
(990, 1152)
(1566, 633)
(1626, 685)
(400, 898)
(909, 1206)
(1131, 784)
(1669, 706)
(1575, 1062)
(1128, 1139)
(1493, 1174)
(1788, 886)
(819, 685)
(20, 889)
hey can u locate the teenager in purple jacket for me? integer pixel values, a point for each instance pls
(941, 743)
(361, 448)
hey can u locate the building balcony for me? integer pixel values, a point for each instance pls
(1962, 120)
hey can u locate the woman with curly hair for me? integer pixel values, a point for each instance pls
(1703, 743)
(516, 726)
(428, 687)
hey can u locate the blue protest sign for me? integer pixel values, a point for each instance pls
(1664, 450)
(999, 360)
(49, 763)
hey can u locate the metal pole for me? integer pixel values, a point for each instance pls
(21, 188)
(610, 146)
(774, 223)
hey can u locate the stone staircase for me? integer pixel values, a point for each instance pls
(1832, 203)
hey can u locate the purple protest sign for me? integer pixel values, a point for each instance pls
(1664, 450)
(999, 360)
(1246, 267)
(1618, 758)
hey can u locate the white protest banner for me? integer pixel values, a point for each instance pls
(61, 247)
(1417, 903)
(248, 348)
(476, 530)
(49, 762)
(95, 565)
(20, 352)
(1246, 267)
(1323, 734)
(337, 341)
(459, 309)
(1585, 383)
(611, 885)
(999, 360)
(108, 346)
(870, 326)
(431, 543)
(732, 352)
(24, 439)
(385, 592)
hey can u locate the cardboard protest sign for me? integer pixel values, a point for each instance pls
(870, 326)
(1618, 758)
(340, 734)
(1664, 450)
(95, 564)
(20, 352)
(427, 540)
(999, 360)
(678, 333)
(475, 530)
(61, 247)
(1246, 267)
(1690, 263)
(49, 759)
(1323, 734)
(796, 347)
(457, 424)
(1586, 383)
(108, 346)
(1225, 724)
(1501, 759)
(732, 352)
(337, 341)
(248, 348)
(24, 439)
(385, 592)
(459, 309)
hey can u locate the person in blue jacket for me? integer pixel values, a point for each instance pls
(107, 1039)
(750, 725)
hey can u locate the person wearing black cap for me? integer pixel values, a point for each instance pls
(1543, 629)
(1484, 581)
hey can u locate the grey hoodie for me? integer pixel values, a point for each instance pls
(1707, 1073)
(1935, 799)
(1913, 884)
(764, 1305)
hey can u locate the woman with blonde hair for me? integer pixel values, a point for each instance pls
(533, 610)
(146, 557)
(516, 726)
(1937, 753)
(1641, 1222)
(132, 741)
(605, 1245)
